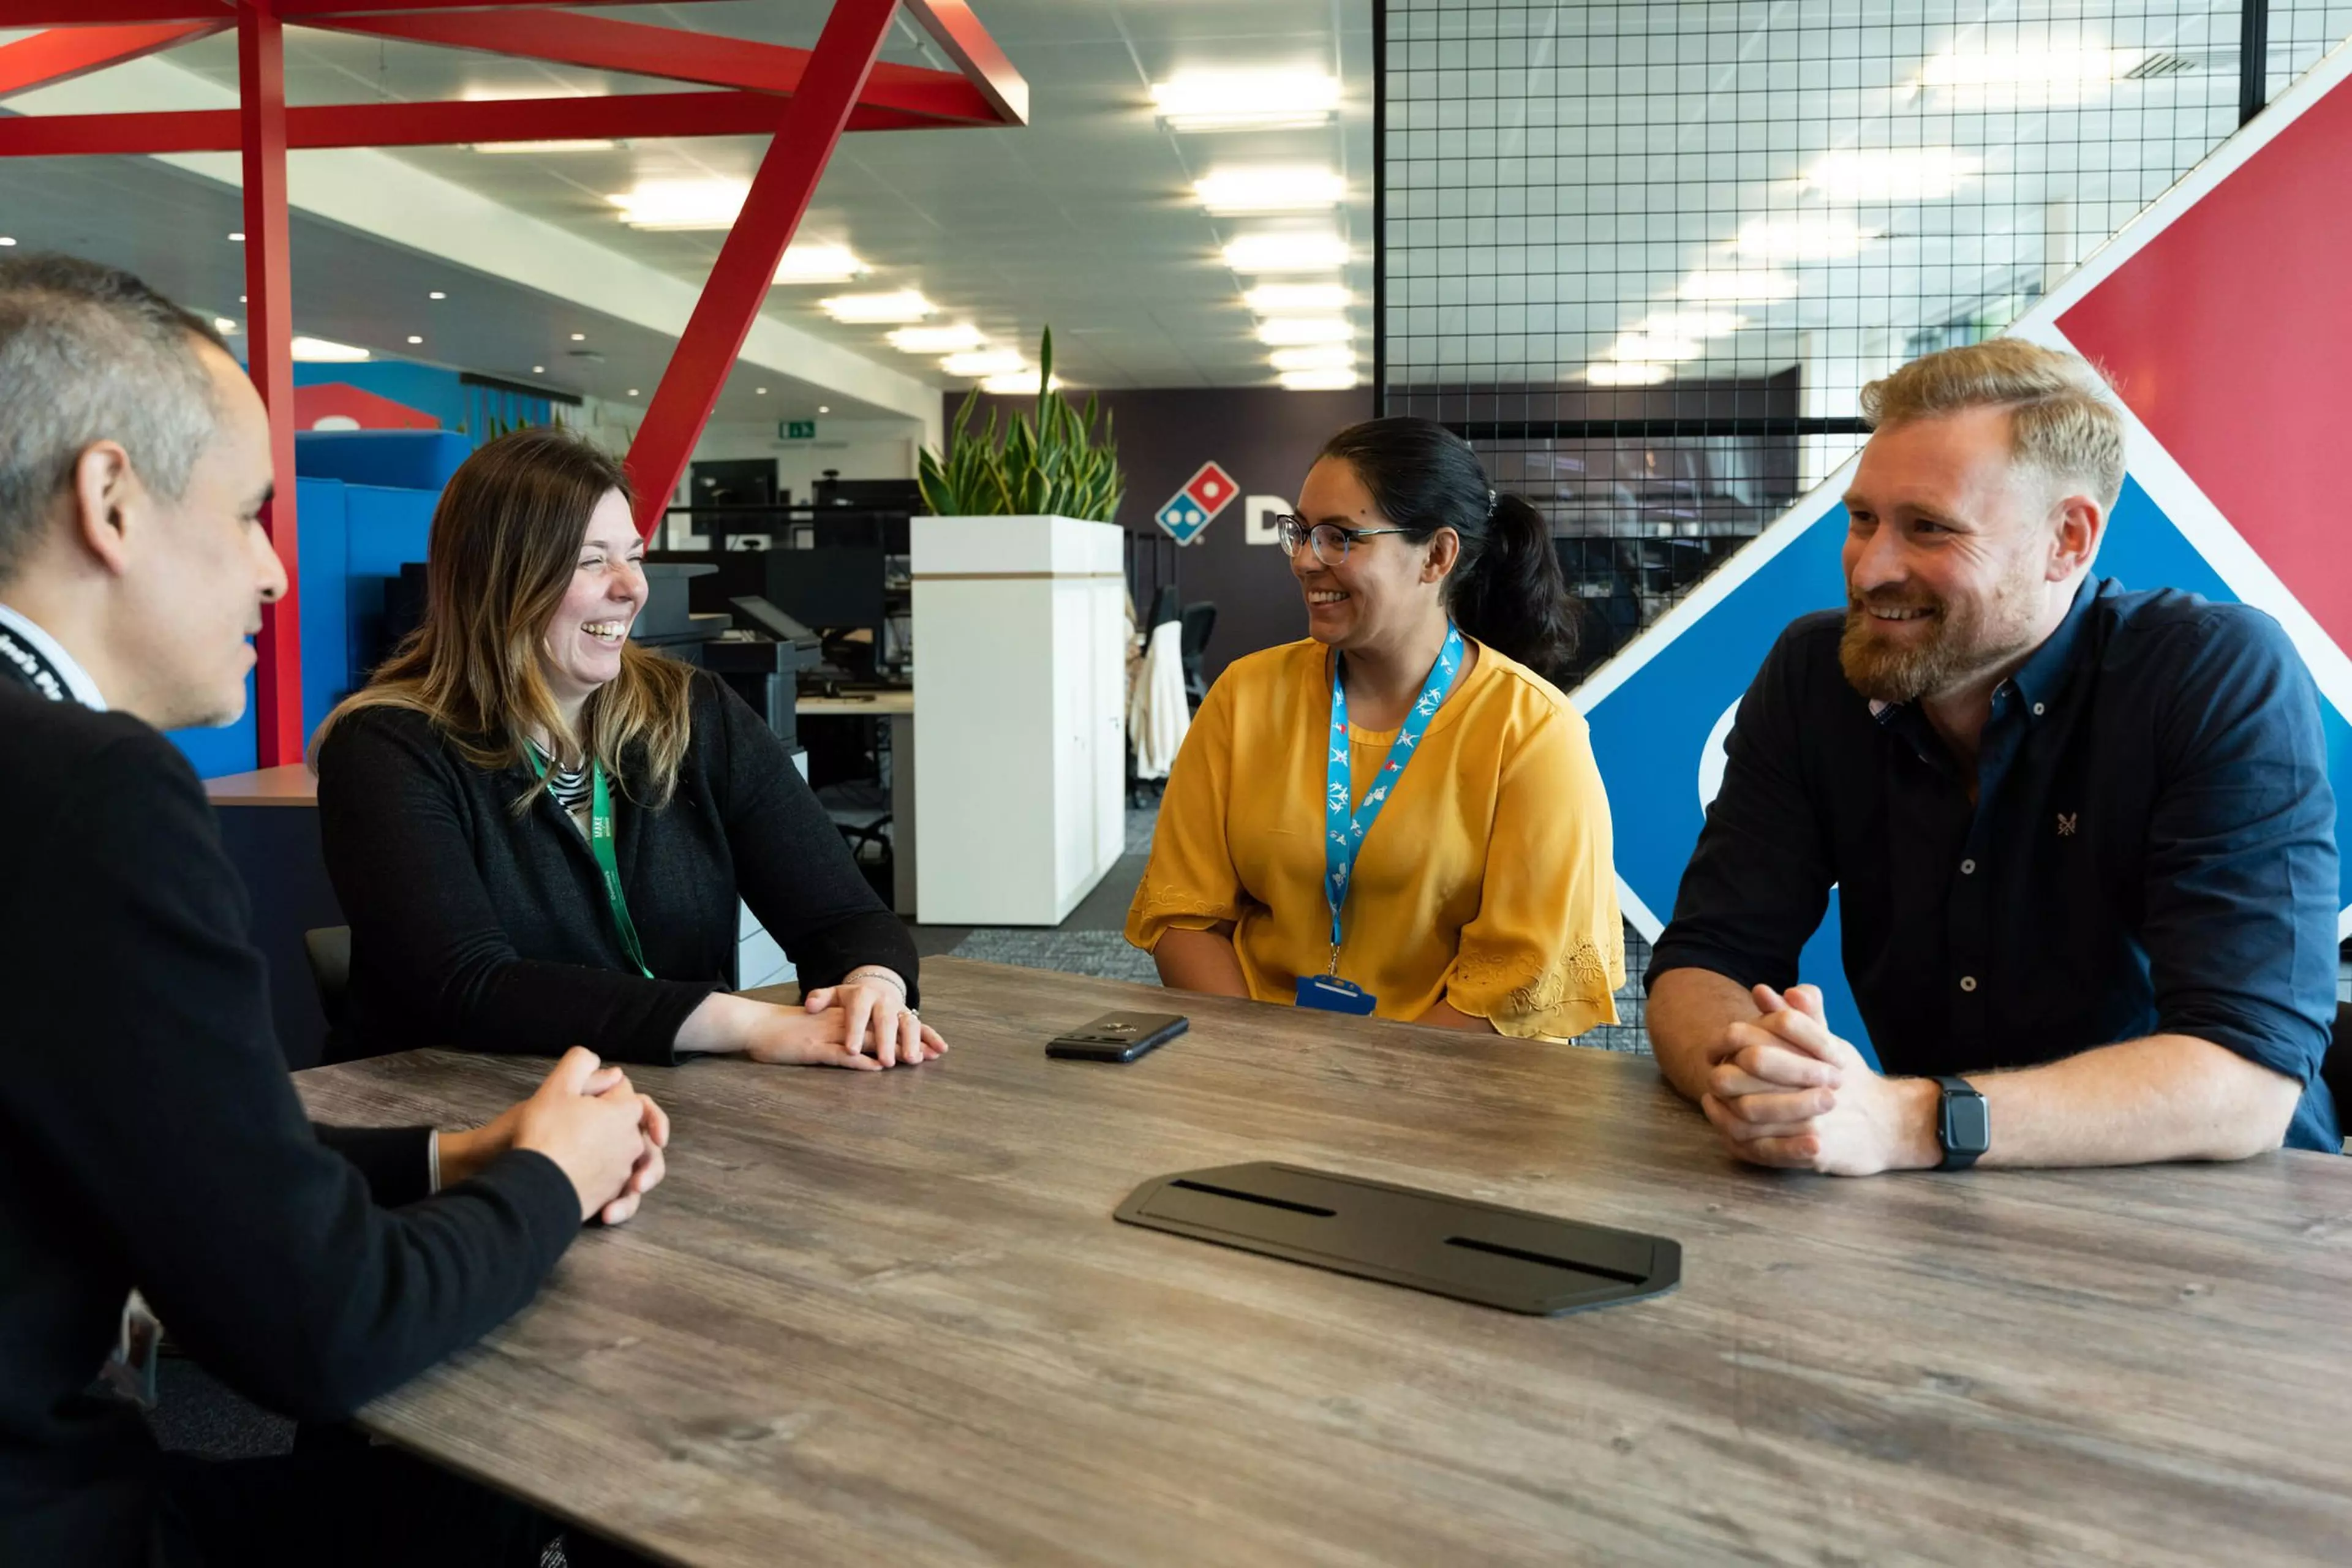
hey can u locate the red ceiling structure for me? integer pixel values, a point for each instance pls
(803, 99)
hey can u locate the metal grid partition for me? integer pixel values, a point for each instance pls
(1645, 256)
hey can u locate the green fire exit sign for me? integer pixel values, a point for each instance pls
(797, 431)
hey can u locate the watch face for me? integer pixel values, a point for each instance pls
(1967, 1125)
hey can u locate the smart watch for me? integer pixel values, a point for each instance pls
(1963, 1124)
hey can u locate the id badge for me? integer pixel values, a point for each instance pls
(1330, 994)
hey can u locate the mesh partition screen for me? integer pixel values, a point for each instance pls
(1645, 256)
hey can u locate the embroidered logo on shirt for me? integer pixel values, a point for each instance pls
(2066, 823)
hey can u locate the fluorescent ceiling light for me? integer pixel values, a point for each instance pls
(1287, 332)
(319, 351)
(673, 204)
(1812, 238)
(936, 340)
(903, 305)
(1314, 356)
(1623, 374)
(1246, 100)
(988, 363)
(818, 264)
(1273, 298)
(1318, 380)
(1692, 323)
(1890, 174)
(498, 93)
(1023, 382)
(223, 326)
(1286, 253)
(553, 145)
(1639, 346)
(2064, 71)
(1270, 189)
(1737, 287)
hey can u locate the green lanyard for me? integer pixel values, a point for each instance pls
(600, 845)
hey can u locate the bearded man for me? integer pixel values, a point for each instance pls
(2082, 836)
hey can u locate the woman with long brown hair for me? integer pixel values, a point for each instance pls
(539, 830)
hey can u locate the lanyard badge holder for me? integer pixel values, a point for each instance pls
(1344, 831)
(600, 845)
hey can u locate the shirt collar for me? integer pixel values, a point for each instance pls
(2045, 671)
(77, 681)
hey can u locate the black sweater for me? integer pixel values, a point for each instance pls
(149, 1136)
(476, 928)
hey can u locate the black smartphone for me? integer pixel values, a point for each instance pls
(1117, 1036)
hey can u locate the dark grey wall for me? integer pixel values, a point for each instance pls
(1265, 438)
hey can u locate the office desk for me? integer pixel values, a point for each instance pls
(293, 785)
(888, 1317)
(269, 825)
(895, 705)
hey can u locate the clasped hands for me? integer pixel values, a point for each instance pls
(587, 1118)
(1786, 1091)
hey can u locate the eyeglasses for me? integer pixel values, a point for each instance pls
(1330, 540)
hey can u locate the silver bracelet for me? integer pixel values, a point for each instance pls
(871, 974)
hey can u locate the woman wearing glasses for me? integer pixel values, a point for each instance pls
(1399, 814)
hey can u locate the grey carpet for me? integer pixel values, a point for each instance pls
(1103, 953)
(195, 1414)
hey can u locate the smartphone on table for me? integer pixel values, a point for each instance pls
(1117, 1036)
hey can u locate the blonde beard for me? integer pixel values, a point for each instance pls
(1885, 672)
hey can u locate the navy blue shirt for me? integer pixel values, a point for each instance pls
(2152, 848)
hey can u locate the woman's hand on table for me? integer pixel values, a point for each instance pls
(817, 1034)
(871, 1003)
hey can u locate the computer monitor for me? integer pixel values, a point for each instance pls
(833, 588)
(835, 591)
(889, 503)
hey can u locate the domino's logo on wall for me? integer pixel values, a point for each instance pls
(2230, 402)
(1192, 509)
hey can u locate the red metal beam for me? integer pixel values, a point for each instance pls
(294, 10)
(956, 30)
(643, 116)
(811, 127)
(269, 351)
(101, 12)
(109, 12)
(599, 43)
(62, 54)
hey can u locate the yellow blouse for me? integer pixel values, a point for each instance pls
(1486, 882)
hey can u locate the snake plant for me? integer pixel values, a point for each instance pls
(1052, 465)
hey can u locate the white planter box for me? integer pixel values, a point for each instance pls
(1020, 715)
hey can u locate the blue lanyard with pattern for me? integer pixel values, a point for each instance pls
(1344, 830)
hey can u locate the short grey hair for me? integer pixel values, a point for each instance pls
(90, 354)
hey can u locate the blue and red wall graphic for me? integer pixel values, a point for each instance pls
(2222, 317)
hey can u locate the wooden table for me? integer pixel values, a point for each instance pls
(887, 1318)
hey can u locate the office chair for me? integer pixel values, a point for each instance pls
(1200, 620)
(330, 950)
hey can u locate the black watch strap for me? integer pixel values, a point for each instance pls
(1963, 1124)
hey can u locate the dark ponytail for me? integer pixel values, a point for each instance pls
(1505, 590)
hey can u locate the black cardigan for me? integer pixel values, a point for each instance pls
(473, 926)
(149, 1136)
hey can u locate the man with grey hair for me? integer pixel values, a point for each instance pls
(153, 1138)
(2083, 836)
